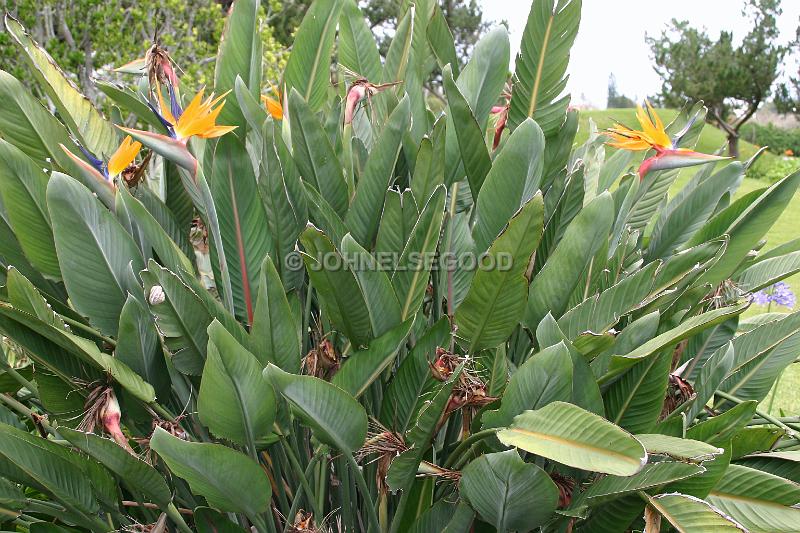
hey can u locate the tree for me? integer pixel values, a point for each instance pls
(615, 98)
(90, 38)
(732, 79)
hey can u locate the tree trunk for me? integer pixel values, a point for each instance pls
(733, 144)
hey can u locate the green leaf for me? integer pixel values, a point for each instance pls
(358, 50)
(284, 200)
(64, 477)
(539, 77)
(690, 209)
(274, 333)
(480, 82)
(168, 251)
(498, 293)
(678, 448)
(413, 269)
(233, 402)
(134, 471)
(94, 251)
(598, 313)
(758, 500)
(718, 430)
(400, 213)
(95, 133)
(751, 226)
(363, 367)
(768, 272)
(334, 416)
(312, 150)
(550, 290)
(23, 186)
(710, 377)
(509, 493)
(384, 308)
(687, 513)
(129, 101)
(469, 134)
(686, 329)
(181, 317)
(512, 181)
(242, 221)
(337, 287)
(307, 70)
(378, 174)
(760, 356)
(569, 435)
(227, 479)
(406, 392)
(651, 476)
(139, 347)
(635, 400)
(544, 378)
(239, 54)
(26, 124)
(441, 41)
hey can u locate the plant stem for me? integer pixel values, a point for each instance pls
(86, 329)
(765, 416)
(298, 470)
(465, 444)
(297, 496)
(374, 525)
(19, 378)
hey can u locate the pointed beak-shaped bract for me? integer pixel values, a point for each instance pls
(674, 159)
(171, 149)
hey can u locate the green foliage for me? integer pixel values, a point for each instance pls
(732, 79)
(386, 322)
(777, 140)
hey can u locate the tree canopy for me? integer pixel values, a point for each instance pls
(733, 78)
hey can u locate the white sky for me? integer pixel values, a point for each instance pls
(612, 32)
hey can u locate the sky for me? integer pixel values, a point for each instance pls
(612, 33)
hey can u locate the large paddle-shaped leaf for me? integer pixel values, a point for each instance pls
(94, 250)
(23, 186)
(362, 368)
(26, 124)
(86, 123)
(567, 434)
(336, 418)
(760, 501)
(229, 480)
(140, 475)
(498, 293)
(509, 493)
(552, 287)
(274, 335)
(309, 63)
(312, 151)
(239, 54)
(358, 50)
(242, 221)
(365, 211)
(539, 77)
(340, 295)
(544, 378)
(687, 513)
(234, 401)
(471, 142)
(513, 180)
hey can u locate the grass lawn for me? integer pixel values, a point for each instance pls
(787, 398)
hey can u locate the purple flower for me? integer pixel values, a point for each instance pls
(779, 294)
